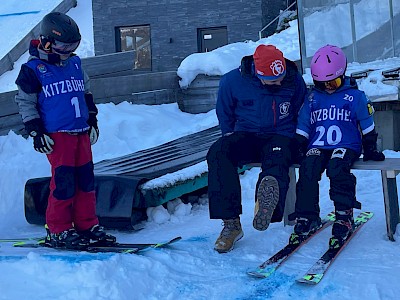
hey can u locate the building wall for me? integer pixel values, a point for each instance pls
(174, 24)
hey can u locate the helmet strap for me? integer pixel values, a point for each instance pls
(52, 58)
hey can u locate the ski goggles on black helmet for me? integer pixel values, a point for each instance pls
(59, 47)
(64, 48)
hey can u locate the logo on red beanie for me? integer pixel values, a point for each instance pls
(269, 62)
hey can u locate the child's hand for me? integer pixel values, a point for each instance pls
(43, 143)
(93, 135)
(369, 145)
(374, 155)
(94, 129)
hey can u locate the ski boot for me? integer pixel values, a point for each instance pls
(97, 235)
(230, 234)
(342, 228)
(267, 199)
(303, 228)
(69, 239)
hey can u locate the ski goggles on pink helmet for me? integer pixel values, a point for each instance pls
(330, 85)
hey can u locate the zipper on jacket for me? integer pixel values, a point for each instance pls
(274, 110)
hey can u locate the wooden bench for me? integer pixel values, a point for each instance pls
(388, 168)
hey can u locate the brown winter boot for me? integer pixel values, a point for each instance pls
(267, 199)
(230, 234)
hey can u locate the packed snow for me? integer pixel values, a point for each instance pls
(369, 268)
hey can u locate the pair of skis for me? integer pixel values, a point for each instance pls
(95, 247)
(315, 274)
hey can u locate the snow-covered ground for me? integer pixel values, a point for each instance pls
(369, 268)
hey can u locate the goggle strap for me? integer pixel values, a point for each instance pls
(45, 42)
(47, 46)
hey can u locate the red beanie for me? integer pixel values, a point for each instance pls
(269, 62)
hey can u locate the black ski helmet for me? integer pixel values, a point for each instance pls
(57, 26)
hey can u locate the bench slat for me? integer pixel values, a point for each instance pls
(389, 164)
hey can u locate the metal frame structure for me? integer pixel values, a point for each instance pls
(389, 45)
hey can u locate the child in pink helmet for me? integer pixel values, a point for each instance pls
(335, 123)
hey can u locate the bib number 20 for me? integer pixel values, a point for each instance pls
(330, 136)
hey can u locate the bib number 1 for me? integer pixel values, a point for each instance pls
(75, 104)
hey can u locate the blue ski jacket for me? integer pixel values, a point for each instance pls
(245, 104)
(336, 120)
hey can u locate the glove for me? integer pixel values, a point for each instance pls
(374, 155)
(93, 130)
(93, 135)
(299, 149)
(369, 145)
(42, 142)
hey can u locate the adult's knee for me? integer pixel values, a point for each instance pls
(220, 150)
(276, 163)
(212, 152)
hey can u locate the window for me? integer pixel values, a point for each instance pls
(136, 38)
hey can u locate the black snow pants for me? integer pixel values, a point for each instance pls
(233, 151)
(342, 191)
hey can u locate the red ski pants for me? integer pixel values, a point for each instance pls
(72, 199)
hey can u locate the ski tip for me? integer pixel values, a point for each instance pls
(22, 239)
(310, 279)
(261, 273)
(178, 238)
(161, 245)
(23, 244)
(255, 274)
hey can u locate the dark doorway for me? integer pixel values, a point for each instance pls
(211, 38)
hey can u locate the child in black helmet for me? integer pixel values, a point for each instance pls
(58, 111)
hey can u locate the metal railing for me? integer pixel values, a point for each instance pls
(361, 43)
(276, 18)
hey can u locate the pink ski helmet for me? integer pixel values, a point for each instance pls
(328, 63)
